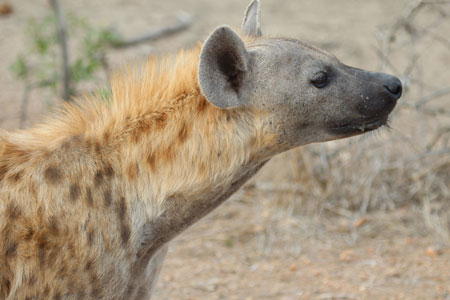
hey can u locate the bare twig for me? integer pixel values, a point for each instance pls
(441, 39)
(437, 2)
(25, 98)
(64, 50)
(384, 57)
(104, 63)
(439, 134)
(432, 96)
(336, 296)
(278, 187)
(24, 104)
(406, 18)
(182, 23)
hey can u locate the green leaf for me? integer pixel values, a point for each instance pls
(19, 67)
(41, 45)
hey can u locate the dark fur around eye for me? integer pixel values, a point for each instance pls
(320, 80)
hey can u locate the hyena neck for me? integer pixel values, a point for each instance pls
(185, 180)
(195, 159)
(182, 155)
(198, 159)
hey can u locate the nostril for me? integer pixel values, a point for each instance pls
(394, 87)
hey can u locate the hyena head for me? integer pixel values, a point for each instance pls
(308, 94)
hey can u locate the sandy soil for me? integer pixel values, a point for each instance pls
(256, 246)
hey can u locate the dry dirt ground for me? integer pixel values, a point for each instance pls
(260, 244)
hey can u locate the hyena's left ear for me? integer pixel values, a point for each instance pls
(223, 70)
(252, 20)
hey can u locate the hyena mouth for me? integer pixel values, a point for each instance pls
(358, 127)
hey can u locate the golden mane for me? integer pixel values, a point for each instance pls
(141, 96)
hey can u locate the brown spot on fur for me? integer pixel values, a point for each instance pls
(139, 128)
(98, 178)
(122, 208)
(16, 177)
(52, 256)
(46, 291)
(95, 283)
(29, 234)
(97, 148)
(5, 284)
(125, 233)
(52, 175)
(108, 171)
(11, 251)
(107, 198)
(253, 142)
(62, 271)
(151, 161)
(3, 170)
(106, 135)
(168, 154)
(90, 237)
(41, 255)
(32, 279)
(202, 104)
(228, 116)
(136, 137)
(183, 133)
(132, 171)
(89, 144)
(42, 245)
(57, 296)
(89, 199)
(89, 264)
(6, 232)
(33, 190)
(66, 145)
(74, 192)
(202, 170)
(13, 211)
(53, 226)
(160, 121)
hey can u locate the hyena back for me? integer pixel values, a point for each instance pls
(90, 199)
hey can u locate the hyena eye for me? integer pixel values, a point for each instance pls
(320, 80)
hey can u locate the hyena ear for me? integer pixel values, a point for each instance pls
(251, 25)
(223, 69)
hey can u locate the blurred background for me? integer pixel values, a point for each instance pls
(362, 218)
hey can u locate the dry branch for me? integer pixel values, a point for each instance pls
(64, 51)
(182, 22)
(25, 97)
(434, 95)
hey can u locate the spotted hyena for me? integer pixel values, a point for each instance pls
(90, 199)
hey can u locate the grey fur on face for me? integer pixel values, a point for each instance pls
(310, 95)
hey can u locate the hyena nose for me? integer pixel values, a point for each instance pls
(394, 86)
